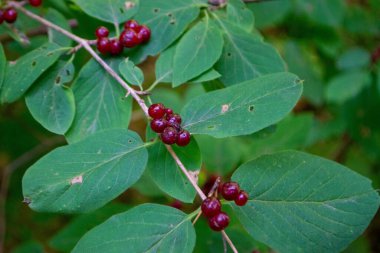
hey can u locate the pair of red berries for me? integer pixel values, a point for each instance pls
(168, 124)
(212, 208)
(10, 15)
(133, 35)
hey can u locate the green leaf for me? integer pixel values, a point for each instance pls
(312, 204)
(84, 176)
(354, 58)
(243, 108)
(165, 172)
(197, 51)
(112, 11)
(51, 102)
(244, 56)
(100, 102)
(240, 15)
(209, 75)
(132, 74)
(60, 20)
(269, 13)
(164, 65)
(3, 65)
(167, 21)
(347, 85)
(29, 247)
(21, 75)
(66, 239)
(146, 228)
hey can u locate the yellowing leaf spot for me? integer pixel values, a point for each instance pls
(225, 108)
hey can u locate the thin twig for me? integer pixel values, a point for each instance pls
(197, 217)
(229, 242)
(214, 188)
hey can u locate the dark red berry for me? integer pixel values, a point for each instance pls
(103, 45)
(35, 3)
(1, 17)
(129, 38)
(143, 33)
(211, 207)
(230, 190)
(102, 32)
(158, 125)
(241, 198)
(169, 135)
(131, 24)
(157, 111)
(177, 204)
(168, 111)
(183, 138)
(10, 15)
(219, 221)
(116, 47)
(174, 118)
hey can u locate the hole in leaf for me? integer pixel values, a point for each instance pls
(229, 54)
(156, 10)
(129, 141)
(34, 63)
(251, 108)
(172, 21)
(121, 10)
(58, 80)
(170, 15)
(68, 72)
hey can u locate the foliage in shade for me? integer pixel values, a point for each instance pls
(60, 20)
(243, 108)
(100, 102)
(132, 74)
(312, 204)
(145, 228)
(21, 75)
(3, 65)
(84, 176)
(50, 101)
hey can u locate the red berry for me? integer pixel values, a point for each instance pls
(116, 47)
(177, 204)
(103, 45)
(102, 32)
(211, 207)
(241, 198)
(158, 125)
(168, 111)
(156, 111)
(143, 33)
(219, 221)
(169, 135)
(132, 24)
(35, 3)
(230, 190)
(1, 17)
(129, 38)
(10, 15)
(183, 138)
(174, 118)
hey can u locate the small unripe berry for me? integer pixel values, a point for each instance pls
(102, 32)
(143, 33)
(103, 45)
(183, 138)
(158, 125)
(211, 207)
(241, 199)
(219, 221)
(35, 3)
(129, 38)
(10, 15)
(156, 111)
(230, 190)
(131, 24)
(116, 47)
(169, 135)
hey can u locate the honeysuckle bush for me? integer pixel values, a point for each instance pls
(257, 84)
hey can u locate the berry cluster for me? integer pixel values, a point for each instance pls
(9, 15)
(212, 208)
(132, 35)
(168, 124)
